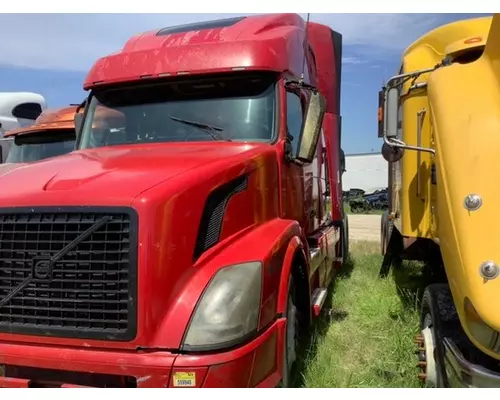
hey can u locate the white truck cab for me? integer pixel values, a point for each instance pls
(18, 109)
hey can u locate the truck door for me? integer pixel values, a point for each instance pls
(301, 188)
(300, 183)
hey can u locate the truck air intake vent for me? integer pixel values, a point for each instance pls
(199, 26)
(213, 214)
(69, 272)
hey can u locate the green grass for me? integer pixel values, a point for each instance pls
(368, 341)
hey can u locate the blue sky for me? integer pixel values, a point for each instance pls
(50, 54)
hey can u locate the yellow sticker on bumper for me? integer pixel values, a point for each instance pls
(184, 379)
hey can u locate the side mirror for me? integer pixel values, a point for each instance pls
(391, 105)
(78, 120)
(311, 128)
(29, 111)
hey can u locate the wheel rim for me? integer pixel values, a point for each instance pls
(426, 344)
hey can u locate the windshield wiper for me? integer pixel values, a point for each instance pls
(214, 131)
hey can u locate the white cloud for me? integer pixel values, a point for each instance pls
(353, 60)
(75, 41)
(380, 31)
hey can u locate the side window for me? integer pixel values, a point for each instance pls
(294, 118)
(27, 111)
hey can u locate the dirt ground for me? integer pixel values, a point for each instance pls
(364, 227)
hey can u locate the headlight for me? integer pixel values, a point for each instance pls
(483, 333)
(228, 310)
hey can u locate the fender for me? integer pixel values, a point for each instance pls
(268, 243)
(295, 245)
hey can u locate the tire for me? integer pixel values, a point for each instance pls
(437, 311)
(383, 228)
(345, 239)
(290, 352)
(385, 232)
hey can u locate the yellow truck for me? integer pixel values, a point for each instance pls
(439, 119)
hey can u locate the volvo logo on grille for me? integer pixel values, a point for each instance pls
(42, 269)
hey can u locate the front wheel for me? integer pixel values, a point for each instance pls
(437, 311)
(291, 336)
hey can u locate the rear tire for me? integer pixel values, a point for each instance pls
(383, 245)
(345, 239)
(385, 232)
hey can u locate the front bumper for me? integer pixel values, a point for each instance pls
(256, 364)
(463, 374)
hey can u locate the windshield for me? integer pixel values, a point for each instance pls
(5, 145)
(27, 148)
(230, 108)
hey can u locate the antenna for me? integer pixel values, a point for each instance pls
(305, 49)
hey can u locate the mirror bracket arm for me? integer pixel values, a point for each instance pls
(398, 143)
(295, 84)
(394, 82)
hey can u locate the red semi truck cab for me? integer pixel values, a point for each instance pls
(192, 236)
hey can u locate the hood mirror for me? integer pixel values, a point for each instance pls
(392, 154)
